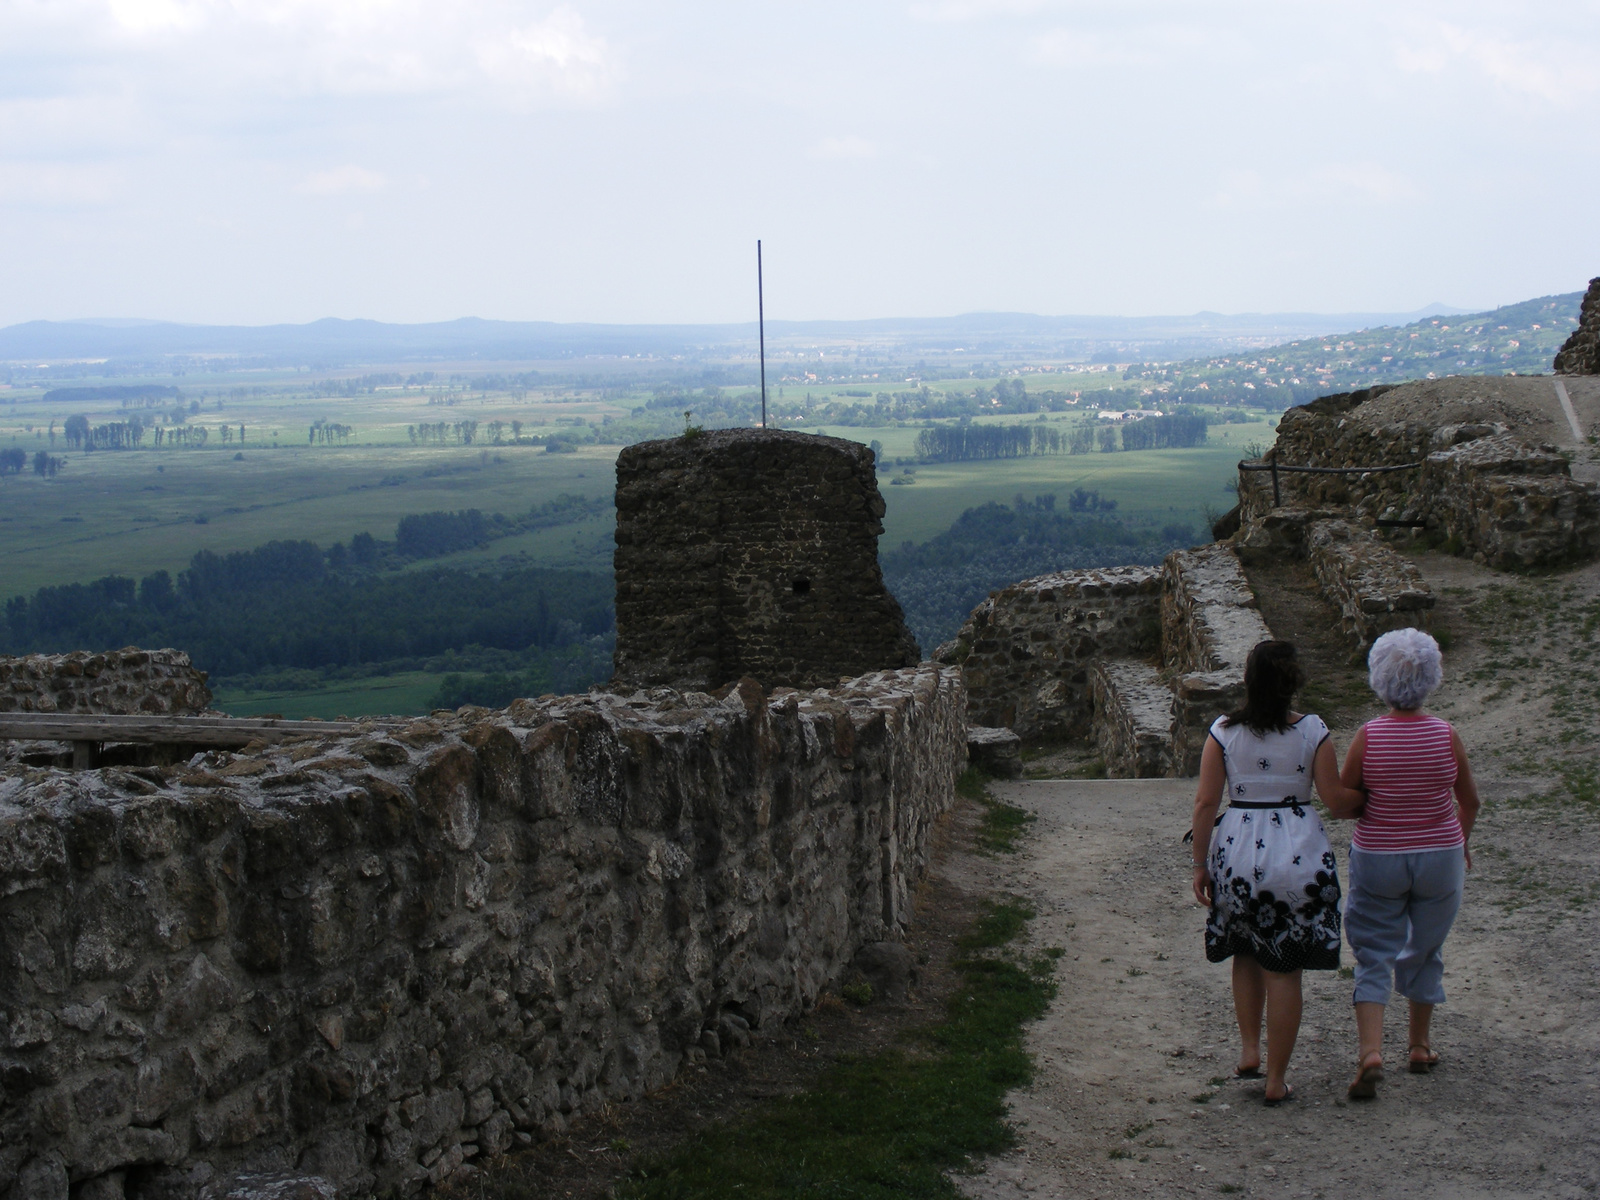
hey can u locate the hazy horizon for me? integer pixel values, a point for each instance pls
(215, 162)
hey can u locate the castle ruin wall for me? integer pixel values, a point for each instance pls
(363, 962)
(130, 681)
(1027, 651)
(752, 552)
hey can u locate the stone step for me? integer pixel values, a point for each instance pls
(1374, 589)
(997, 752)
(1133, 720)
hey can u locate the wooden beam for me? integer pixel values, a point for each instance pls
(162, 730)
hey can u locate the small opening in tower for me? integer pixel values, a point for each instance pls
(801, 586)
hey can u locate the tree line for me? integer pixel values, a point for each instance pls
(978, 443)
(284, 605)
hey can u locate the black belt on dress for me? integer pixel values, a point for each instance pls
(1265, 804)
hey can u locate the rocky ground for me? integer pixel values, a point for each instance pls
(1133, 1095)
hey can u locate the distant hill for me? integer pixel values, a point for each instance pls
(1517, 339)
(332, 342)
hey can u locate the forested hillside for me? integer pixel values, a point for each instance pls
(283, 606)
(1518, 339)
(940, 581)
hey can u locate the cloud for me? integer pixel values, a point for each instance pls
(1559, 72)
(340, 180)
(557, 53)
(510, 50)
(844, 147)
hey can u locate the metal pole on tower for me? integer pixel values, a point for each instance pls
(761, 323)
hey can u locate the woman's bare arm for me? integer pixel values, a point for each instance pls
(1343, 802)
(1351, 775)
(1207, 798)
(1466, 792)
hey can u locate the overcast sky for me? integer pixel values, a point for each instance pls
(257, 161)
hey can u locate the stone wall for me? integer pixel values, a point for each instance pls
(751, 552)
(1374, 589)
(365, 961)
(1210, 622)
(1580, 353)
(120, 681)
(1026, 652)
(1133, 720)
(1502, 498)
(1517, 506)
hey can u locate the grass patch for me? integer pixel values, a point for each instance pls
(1002, 823)
(887, 1126)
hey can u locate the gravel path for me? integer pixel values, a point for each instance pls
(1131, 1097)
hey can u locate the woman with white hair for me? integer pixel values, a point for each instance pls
(1408, 855)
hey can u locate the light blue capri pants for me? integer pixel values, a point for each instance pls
(1397, 914)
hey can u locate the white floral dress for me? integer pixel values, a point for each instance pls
(1276, 883)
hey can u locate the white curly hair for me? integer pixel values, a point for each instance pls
(1403, 666)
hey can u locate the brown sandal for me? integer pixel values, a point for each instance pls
(1428, 1061)
(1369, 1073)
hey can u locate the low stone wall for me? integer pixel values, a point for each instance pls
(1132, 720)
(1209, 624)
(1517, 506)
(1209, 617)
(1026, 651)
(1499, 493)
(121, 681)
(367, 960)
(1374, 589)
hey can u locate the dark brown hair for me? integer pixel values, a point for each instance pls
(1272, 675)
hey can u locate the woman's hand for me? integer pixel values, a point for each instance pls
(1203, 887)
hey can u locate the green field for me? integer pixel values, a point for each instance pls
(136, 511)
(402, 694)
(132, 512)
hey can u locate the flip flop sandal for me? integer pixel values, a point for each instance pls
(1421, 1066)
(1288, 1095)
(1368, 1075)
(1247, 1072)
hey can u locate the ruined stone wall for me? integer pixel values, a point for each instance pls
(366, 961)
(752, 552)
(1027, 651)
(1507, 501)
(121, 681)
(1374, 589)
(1210, 621)
(1580, 353)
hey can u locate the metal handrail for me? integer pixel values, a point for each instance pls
(1273, 465)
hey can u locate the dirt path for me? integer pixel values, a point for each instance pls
(1143, 1027)
(1131, 1097)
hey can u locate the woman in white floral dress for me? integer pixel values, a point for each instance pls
(1264, 866)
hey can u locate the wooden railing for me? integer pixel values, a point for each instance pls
(89, 731)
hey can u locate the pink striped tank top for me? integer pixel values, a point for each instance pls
(1409, 771)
